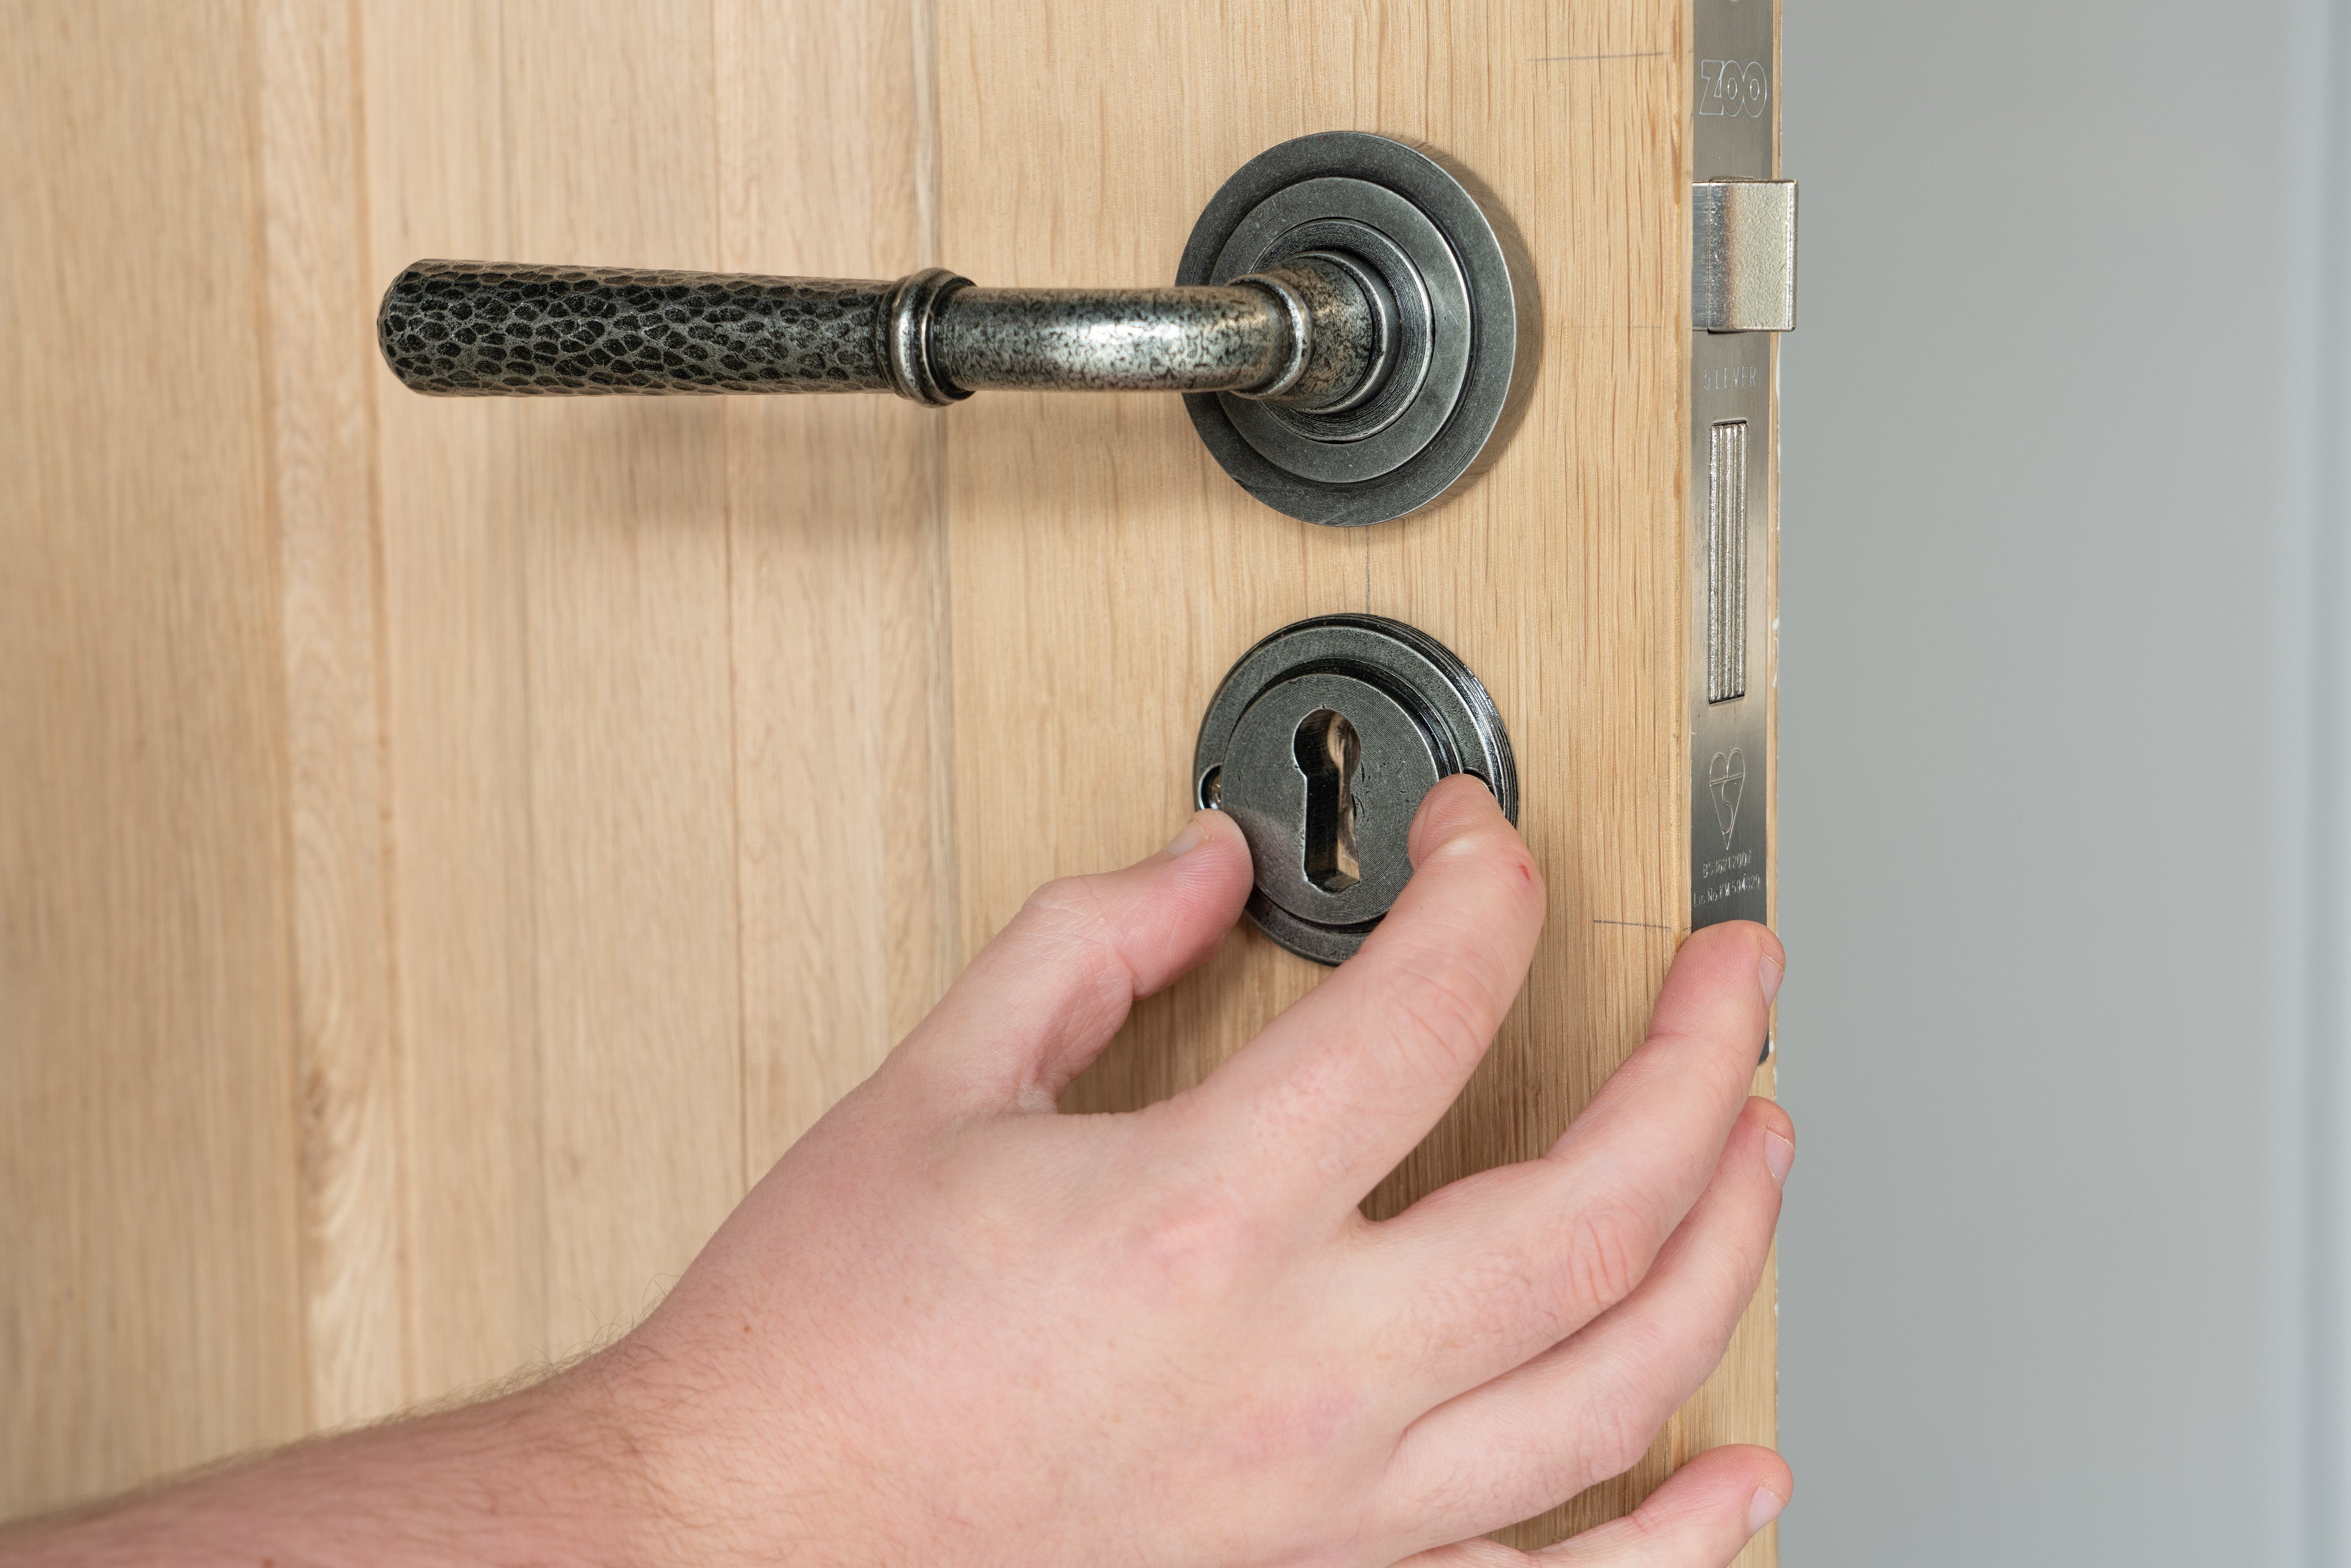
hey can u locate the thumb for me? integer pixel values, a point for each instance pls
(1043, 998)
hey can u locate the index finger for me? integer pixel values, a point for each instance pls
(1339, 1088)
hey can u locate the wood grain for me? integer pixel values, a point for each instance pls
(449, 847)
(458, 702)
(621, 503)
(152, 1302)
(320, 374)
(1105, 566)
(839, 636)
(382, 844)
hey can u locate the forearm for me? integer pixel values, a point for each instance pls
(552, 1474)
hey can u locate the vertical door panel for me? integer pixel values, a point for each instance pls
(841, 739)
(457, 722)
(150, 1301)
(321, 386)
(1106, 573)
(452, 845)
(621, 503)
(663, 667)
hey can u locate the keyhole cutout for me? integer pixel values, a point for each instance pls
(1328, 750)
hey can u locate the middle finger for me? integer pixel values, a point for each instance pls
(1500, 1266)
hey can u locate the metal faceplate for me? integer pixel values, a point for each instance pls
(1320, 745)
(1733, 500)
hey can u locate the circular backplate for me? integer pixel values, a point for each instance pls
(1414, 713)
(1465, 326)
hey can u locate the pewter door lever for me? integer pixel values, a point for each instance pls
(1350, 327)
(1311, 333)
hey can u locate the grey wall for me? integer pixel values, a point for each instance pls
(2045, 761)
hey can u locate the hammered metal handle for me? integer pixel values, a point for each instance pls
(470, 329)
(1307, 333)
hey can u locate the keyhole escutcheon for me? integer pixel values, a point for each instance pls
(1328, 750)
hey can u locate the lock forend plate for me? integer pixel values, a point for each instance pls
(1319, 744)
(1733, 456)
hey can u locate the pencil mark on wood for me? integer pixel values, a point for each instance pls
(1635, 55)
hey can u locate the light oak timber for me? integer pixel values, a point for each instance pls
(827, 149)
(611, 138)
(1102, 564)
(459, 704)
(321, 382)
(151, 1305)
(451, 846)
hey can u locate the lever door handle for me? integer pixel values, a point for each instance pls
(1310, 333)
(1349, 327)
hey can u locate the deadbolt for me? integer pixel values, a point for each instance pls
(1320, 745)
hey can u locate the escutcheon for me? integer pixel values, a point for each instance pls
(1319, 744)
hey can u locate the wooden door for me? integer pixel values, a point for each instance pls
(451, 847)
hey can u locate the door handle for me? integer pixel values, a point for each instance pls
(1352, 329)
(1311, 333)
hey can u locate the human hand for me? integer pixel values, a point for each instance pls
(953, 1326)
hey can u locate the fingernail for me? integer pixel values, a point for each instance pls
(1187, 841)
(1763, 1508)
(1771, 974)
(1453, 826)
(1779, 1153)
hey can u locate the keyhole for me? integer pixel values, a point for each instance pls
(1328, 751)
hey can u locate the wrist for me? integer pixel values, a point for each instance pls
(579, 1470)
(553, 1473)
(714, 1473)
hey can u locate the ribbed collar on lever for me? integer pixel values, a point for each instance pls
(903, 336)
